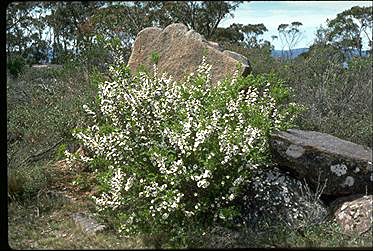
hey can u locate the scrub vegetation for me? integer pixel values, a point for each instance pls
(163, 164)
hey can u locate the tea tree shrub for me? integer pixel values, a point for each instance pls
(175, 153)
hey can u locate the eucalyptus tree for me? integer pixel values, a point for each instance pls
(127, 19)
(70, 26)
(252, 32)
(202, 16)
(76, 28)
(349, 27)
(290, 35)
(24, 28)
(232, 35)
(243, 35)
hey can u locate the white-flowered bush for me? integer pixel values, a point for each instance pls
(168, 152)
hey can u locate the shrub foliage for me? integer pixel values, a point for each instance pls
(16, 65)
(339, 99)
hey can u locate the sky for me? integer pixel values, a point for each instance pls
(311, 14)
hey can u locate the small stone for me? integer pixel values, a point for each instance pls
(88, 225)
(354, 214)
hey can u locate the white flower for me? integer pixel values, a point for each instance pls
(113, 198)
(189, 213)
(197, 206)
(231, 197)
(129, 184)
(203, 183)
(206, 174)
(221, 216)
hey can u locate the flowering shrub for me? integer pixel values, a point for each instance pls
(172, 152)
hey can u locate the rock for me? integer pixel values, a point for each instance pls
(275, 197)
(181, 51)
(344, 167)
(216, 46)
(47, 66)
(240, 58)
(88, 225)
(354, 214)
(58, 196)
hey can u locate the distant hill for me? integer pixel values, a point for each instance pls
(297, 52)
(355, 53)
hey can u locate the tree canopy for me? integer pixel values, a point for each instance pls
(73, 28)
(38, 31)
(349, 27)
(290, 35)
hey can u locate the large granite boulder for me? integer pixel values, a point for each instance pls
(354, 214)
(180, 53)
(344, 167)
(274, 197)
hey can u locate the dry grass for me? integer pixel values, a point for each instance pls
(56, 230)
(45, 222)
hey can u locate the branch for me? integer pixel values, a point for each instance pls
(37, 156)
(19, 20)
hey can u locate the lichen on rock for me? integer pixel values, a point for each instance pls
(275, 197)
